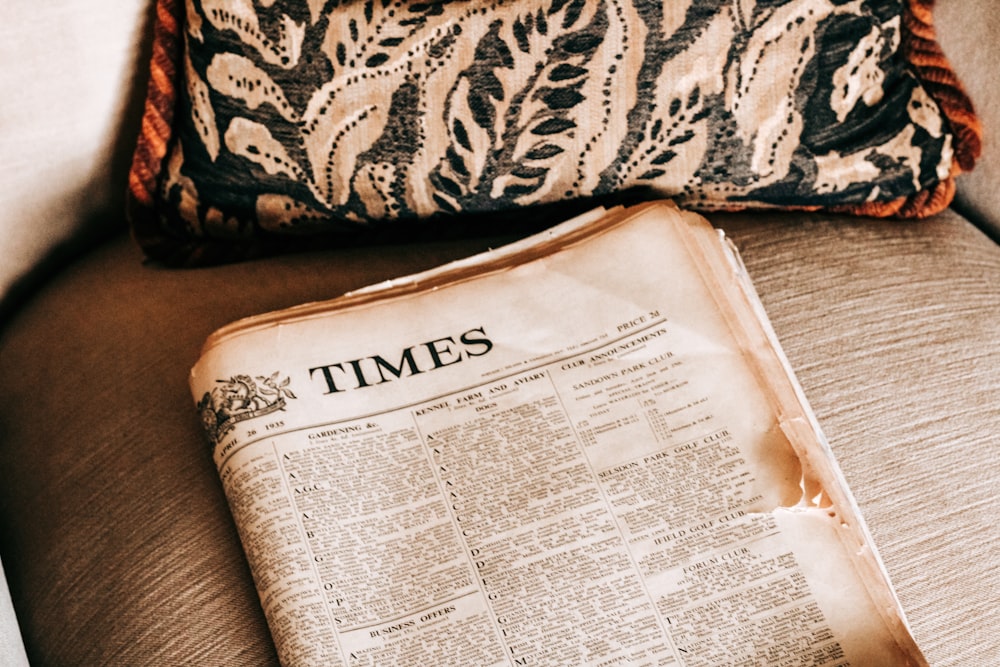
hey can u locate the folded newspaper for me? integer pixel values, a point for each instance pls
(584, 448)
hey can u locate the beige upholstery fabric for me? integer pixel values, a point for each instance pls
(116, 540)
(119, 549)
(894, 332)
(969, 33)
(68, 117)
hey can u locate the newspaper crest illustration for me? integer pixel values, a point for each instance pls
(241, 398)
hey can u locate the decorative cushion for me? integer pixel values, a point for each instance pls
(320, 118)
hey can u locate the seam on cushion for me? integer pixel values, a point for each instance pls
(922, 204)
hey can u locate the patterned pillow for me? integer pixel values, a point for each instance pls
(270, 121)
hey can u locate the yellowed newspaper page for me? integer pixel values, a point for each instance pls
(579, 450)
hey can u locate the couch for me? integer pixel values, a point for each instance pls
(115, 540)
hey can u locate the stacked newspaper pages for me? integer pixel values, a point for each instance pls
(584, 448)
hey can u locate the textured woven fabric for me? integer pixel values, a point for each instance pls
(970, 35)
(65, 88)
(116, 540)
(306, 120)
(119, 548)
(894, 332)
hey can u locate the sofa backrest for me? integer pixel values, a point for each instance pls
(70, 98)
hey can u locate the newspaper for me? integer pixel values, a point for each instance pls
(585, 448)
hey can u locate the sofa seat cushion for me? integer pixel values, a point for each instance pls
(115, 535)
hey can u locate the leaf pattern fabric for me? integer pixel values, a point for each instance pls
(308, 116)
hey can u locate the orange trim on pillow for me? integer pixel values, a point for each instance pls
(152, 145)
(158, 116)
(940, 80)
